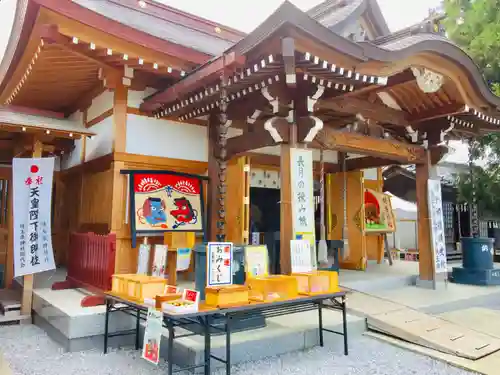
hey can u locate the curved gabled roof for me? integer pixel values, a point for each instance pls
(337, 14)
(393, 56)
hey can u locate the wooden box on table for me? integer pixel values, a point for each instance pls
(138, 287)
(227, 296)
(273, 288)
(119, 284)
(317, 282)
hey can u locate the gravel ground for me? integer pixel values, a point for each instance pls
(31, 352)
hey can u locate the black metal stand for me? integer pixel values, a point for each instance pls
(205, 320)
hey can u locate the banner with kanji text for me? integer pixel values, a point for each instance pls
(32, 202)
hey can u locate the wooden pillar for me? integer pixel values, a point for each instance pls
(27, 298)
(286, 214)
(426, 259)
(213, 175)
(120, 103)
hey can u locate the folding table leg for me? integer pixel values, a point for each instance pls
(208, 338)
(344, 323)
(170, 348)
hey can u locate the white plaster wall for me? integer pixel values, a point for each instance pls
(102, 143)
(164, 138)
(135, 98)
(100, 104)
(73, 158)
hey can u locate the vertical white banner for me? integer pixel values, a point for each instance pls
(302, 180)
(438, 242)
(143, 259)
(32, 206)
(160, 261)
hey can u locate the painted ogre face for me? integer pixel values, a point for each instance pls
(157, 212)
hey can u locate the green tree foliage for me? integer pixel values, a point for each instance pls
(474, 25)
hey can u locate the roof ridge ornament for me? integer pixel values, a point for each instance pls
(427, 80)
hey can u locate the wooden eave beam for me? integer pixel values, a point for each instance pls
(94, 20)
(367, 162)
(50, 34)
(373, 111)
(251, 140)
(452, 109)
(197, 79)
(364, 145)
(32, 111)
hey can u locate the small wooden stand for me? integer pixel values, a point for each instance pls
(174, 241)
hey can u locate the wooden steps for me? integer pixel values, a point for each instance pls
(10, 308)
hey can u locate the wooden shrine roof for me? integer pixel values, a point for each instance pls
(337, 14)
(356, 74)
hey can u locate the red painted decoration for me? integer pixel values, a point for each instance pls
(34, 169)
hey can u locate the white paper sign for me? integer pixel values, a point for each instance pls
(152, 336)
(183, 259)
(438, 242)
(219, 263)
(32, 197)
(160, 261)
(300, 251)
(143, 259)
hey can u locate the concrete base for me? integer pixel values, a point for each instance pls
(281, 335)
(73, 327)
(462, 275)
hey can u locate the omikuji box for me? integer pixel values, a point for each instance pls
(317, 282)
(273, 288)
(227, 296)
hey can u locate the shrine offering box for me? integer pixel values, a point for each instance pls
(273, 288)
(227, 296)
(317, 282)
(188, 303)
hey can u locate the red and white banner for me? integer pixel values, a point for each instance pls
(32, 197)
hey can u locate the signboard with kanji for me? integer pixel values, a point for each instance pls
(32, 203)
(303, 197)
(219, 263)
(438, 242)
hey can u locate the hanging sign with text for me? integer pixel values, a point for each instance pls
(303, 197)
(435, 206)
(32, 203)
(219, 263)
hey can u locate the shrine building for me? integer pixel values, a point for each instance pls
(113, 85)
